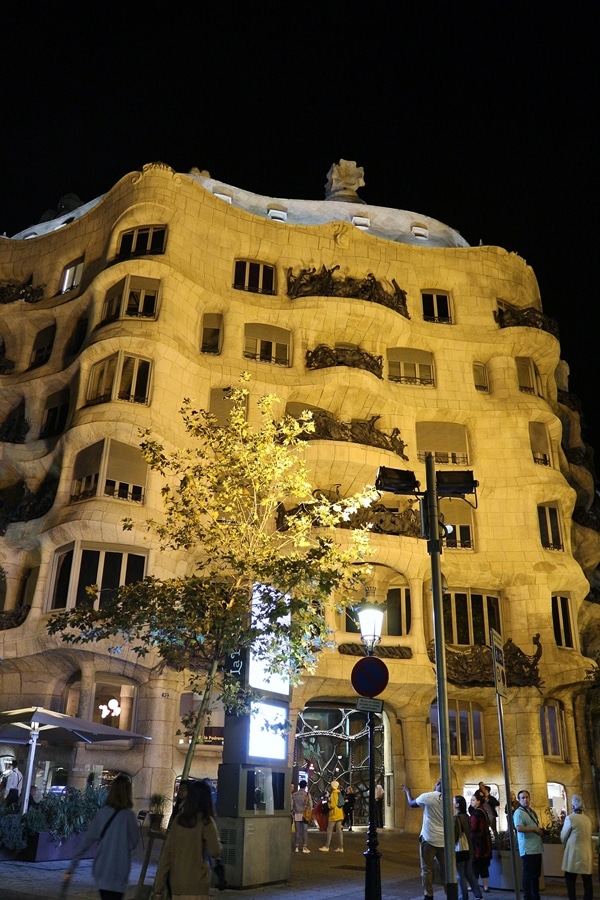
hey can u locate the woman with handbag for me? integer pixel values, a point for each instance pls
(480, 839)
(464, 851)
(576, 835)
(116, 829)
(302, 813)
(193, 837)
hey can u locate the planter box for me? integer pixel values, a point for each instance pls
(43, 849)
(501, 872)
(553, 854)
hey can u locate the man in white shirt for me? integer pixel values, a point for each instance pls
(14, 785)
(431, 839)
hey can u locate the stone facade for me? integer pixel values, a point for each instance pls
(403, 340)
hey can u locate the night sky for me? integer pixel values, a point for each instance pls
(480, 115)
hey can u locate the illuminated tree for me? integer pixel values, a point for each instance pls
(260, 581)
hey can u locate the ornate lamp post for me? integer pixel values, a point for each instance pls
(369, 678)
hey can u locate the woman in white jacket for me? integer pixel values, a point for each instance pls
(576, 835)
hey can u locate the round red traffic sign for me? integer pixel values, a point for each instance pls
(370, 676)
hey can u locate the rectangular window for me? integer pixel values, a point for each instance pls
(220, 406)
(149, 239)
(540, 443)
(409, 366)
(552, 729)
(134, 380)
(528, 376)
(133, 297)
(109, 468)
(469, 616)
(561, 620)
(81, 567)
(57, 411)
(120, 377)
(42, 346)
(397, 620)
(436, 308)
(71, 277)
(550, 532)
(465, 726)
(446, 440)
(259, 278)
(212, 333)
(480, 377)
(267, 343)
(456, 517)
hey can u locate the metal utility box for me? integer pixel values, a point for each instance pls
(255, 850)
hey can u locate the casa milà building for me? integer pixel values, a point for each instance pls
(403, 340)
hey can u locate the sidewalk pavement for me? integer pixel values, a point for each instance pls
(325, 876)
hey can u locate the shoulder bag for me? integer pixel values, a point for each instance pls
(462, 844)
(308, 813)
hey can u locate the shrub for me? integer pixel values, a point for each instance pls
(12, 832)
(62, 816)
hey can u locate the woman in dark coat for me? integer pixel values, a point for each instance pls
(349, 801)
(464, 858)
(481, 839)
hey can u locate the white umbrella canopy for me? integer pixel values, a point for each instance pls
(34, 724)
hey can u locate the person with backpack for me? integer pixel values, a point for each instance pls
(336, 817)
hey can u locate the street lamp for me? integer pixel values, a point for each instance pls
(445, 484)
(370, 621)
(374, 670)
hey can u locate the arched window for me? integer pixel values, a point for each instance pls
(466, 729)
(114, 701)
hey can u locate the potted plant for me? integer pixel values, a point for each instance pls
(157, 810)
(51, 830)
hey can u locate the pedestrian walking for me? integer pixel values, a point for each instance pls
(115, 829)
(576, 836)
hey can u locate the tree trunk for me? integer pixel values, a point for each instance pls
(200, 719)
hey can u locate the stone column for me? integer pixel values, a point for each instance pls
(527, 768)
(417, 768)
(417, 628)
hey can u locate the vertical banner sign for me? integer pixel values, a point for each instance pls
(498, 665)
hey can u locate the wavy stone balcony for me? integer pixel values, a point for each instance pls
(13, 291)
(323, 283)
(358, 431)
(529, 317)
(325, 357)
